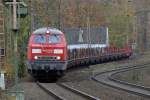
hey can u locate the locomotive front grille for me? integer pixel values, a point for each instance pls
(49, 58)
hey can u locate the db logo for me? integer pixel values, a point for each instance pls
(47, 51)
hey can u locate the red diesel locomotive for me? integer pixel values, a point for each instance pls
(49, 52)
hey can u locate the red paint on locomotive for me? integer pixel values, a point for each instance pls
(47, 49)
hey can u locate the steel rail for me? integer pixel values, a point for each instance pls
(50, 92)
(111, 77)
(68, 88)
(88, 96)
(106, 78)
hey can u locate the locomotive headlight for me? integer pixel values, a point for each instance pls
(35, 57)
(58, 58)
(58, 51)
(36, 51)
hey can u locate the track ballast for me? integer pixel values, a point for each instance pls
(62, 91)
(107, 78)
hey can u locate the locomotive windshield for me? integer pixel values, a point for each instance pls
(40, 39)
(54, 39)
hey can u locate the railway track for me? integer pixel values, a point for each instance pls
(107, 78)
(62, 91)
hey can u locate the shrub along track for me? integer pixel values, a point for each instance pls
(107, 78)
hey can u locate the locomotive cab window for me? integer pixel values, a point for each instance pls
(54, 39)
(40, 39)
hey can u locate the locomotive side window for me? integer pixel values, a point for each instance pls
(40, 39)
(54, 39)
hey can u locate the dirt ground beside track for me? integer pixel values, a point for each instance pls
(80, 78)
(136, 76)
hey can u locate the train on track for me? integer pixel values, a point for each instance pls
(51, 51)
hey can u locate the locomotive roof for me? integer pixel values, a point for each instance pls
(44, 30)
